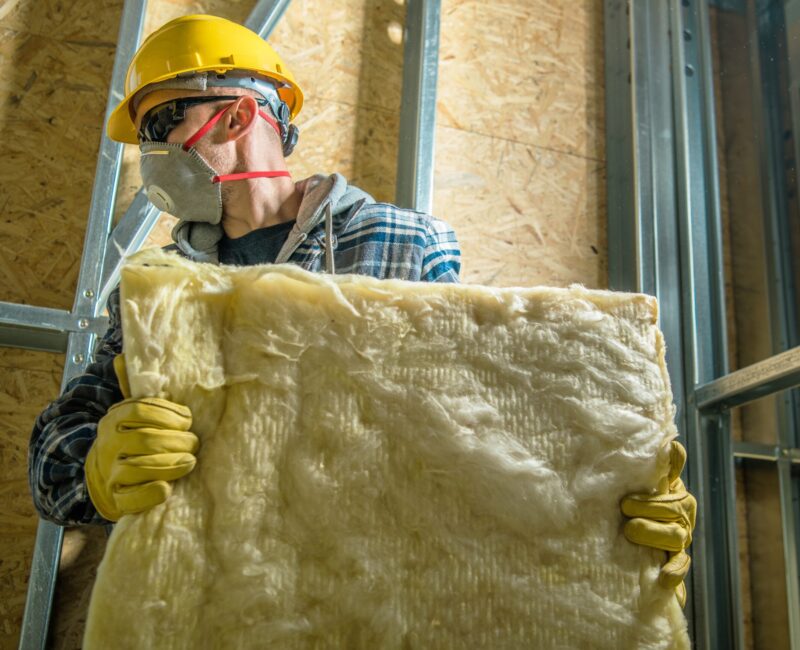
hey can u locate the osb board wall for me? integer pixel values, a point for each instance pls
(520, 163)
(520, 172)
(29, 380)
(56, 59)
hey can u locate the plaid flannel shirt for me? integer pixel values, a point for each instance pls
(377, 239)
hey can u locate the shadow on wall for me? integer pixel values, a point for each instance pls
(378, 106)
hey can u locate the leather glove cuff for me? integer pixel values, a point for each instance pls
(103, 503)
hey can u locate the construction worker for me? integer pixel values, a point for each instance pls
(211, 105)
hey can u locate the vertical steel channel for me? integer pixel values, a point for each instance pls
(644, 242)
(415, 154)
(654, 173)
(623, 248)
(643, 235)
(704, 326)
(265, 16)
(49, 536)
(645, 57)
(766, 24)
(128, 236)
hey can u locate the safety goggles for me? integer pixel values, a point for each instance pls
(160, 120)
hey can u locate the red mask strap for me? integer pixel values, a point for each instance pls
(205, 128)
(244, 175)
(272, 122)
(210, 125)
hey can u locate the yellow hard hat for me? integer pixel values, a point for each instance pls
(199, 44)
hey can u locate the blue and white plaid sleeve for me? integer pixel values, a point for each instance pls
(66, 429)
(441, 260)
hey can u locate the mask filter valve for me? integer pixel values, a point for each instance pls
(159, 198)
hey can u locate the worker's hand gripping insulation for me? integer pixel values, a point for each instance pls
(141, 445)
(665, 521)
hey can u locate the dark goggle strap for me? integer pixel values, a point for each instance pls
(160, 120)
(216, 118)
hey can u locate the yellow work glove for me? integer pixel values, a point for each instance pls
(665, 521)
(141, 445)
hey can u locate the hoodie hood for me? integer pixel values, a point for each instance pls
(200, 241)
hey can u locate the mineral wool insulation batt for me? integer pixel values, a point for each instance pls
(389, 464)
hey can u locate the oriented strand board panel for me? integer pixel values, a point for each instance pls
(523, 214)
(388, 464)
(520, 148)
(29, 379)
(57, 58)
(525, 70)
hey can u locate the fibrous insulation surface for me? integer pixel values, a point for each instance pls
(388, 464)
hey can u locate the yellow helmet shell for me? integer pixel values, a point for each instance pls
(199, 43)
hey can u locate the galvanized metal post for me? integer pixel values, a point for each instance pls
(128, 237)
(664, 240)
(624, 250)
(717, 590)
(265, 15)
(418, 108)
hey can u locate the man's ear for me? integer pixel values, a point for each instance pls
(241, 117)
